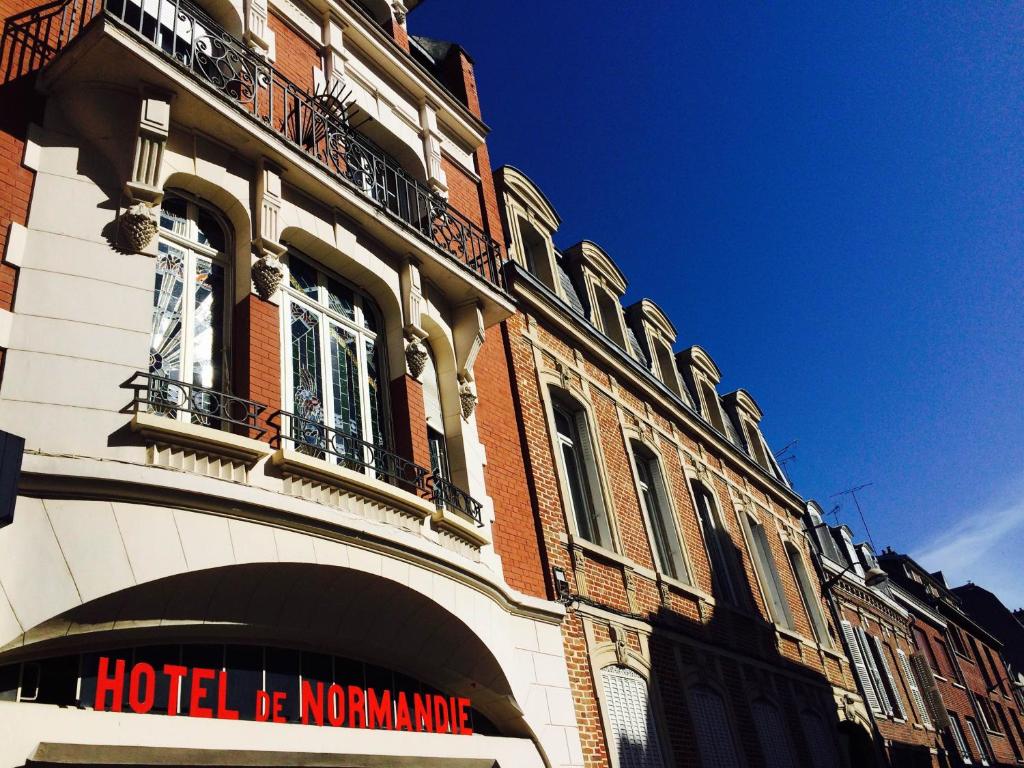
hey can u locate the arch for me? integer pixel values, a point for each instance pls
(446, 365)
(772, 733)
(228, 13)
(710, 713)
(701, 360)
(361, 275)
(629, 713)
(597, 260)
(651, 313)
(517, 183)
(746, 403)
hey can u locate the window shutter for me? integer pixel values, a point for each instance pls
(670, 524)
(589, 458)
(885, 707)
(930, 690)
(634, 736)
(771, 733)
(860, 667)
(714, 735)
(893, 690)
(915, 690)
(958, 738)
(769, 574)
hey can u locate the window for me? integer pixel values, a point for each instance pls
(957, 640)
(187, 340)
(989, 682)
(823, 749)
(988, 721)
(1005, 721)
(860, 665)
(608, 312)
(1000, 681)
(667, 367)
(712, 409)
(634, 737)
(979, 741)
(946, 663)
(335, 364)
(579, 467)
(439, 464)
(757, 452)
(881, 654)
(925, 647)
(764, 565)
(711, 724)
(535, 253)
(771, 734)
(716, 539)
(958, 739)
(914, 688)
(654, 499)
(810, 600)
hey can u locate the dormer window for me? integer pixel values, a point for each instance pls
(712, 409)
(607, 316)
(536, 256)
(657, 335)
(531, 222)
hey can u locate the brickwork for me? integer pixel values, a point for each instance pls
(409, 420)
(295, 54)
(257, 353)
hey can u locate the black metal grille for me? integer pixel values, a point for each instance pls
(446, 495)
(338, 446)
(203, 406)
(316, 125)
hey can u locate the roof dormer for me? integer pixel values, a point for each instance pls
(603, 285)
(702, 376)
(657, 336)
(747, 415)
(531, 222)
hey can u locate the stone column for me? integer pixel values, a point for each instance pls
(137, 226)
(431, 137)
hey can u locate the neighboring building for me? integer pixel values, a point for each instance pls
(696, 632)
(249, 308)
(1008, 626)
(985, 725)
(878, 634)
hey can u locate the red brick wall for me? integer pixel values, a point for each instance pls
(295, 55)
(257, 353)
(410, 420)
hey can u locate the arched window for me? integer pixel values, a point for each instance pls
(771, 735)
(633, 740)
(811, 603)
(820, 741)
(435, 418)
(579, 470)
(714, 733)
(767, 573)
(335, 368)
(655, 501)
(190, 308)
(724, 580)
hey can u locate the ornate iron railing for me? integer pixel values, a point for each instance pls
(346, 450)
(449, 496)
(316, 125)
(199, 405)
(339, 447)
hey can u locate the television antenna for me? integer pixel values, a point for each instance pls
(853, 492)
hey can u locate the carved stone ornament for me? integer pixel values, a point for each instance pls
(621, 646)
(415, 358)
(266, 276)
(136, 228)
(468, 399)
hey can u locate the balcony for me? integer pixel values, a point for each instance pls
(182, 36)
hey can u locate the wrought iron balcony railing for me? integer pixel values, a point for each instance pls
(193, 403)
(195, 43)
(337, 446)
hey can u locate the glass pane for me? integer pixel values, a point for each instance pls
(157, 656)
(346, 400)
(209, 230)
(374, 368)
(174, 215)
(302, 277)
(438, 453)
(207, 337)
(307, 388)
(341, 299)
(283, 675)
(578, 493)
(245, 677)
(165, 339)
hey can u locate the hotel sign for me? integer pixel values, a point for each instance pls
(331, 704)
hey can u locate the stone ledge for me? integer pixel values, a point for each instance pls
(217, 442)
(457, 525)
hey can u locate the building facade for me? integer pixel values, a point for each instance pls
(1007, 626)
(250, 308)
(696, 631)
(984, 720)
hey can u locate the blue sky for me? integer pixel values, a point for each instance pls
(830, 200)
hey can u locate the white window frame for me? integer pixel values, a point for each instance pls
(770, 583)
(589, 468)
(653, 468)
(356, 326)
(728, 563)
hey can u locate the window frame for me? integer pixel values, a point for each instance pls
(657, 743)
(656, 487)
(355, 326)
(772, 590)
(188, 244)
(812, 605)
(721, 561)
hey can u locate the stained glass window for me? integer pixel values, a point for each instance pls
(336, 367)
(187, 339)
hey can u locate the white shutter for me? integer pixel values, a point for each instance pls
(915, 690)
(876, 676)
(711, 724)
(860, 667)
(930, 691)
(771, 733)
(824, 752)
(958, 737)
(634, 738)
(894, 691)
